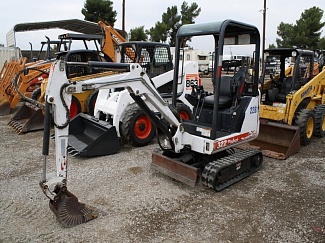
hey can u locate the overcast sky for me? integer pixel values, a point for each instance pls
(146, 13)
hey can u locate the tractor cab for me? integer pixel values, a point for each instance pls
(222, 112)
(293, 68)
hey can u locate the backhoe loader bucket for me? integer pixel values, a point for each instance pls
(27, 118)
(276, 140)
(89, 136)
(4, 104)
(69, 211)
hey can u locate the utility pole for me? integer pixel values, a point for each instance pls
(123, 19)
(263, 38)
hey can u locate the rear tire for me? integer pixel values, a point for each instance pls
(75, 107)
(305, 120)
(184, 112)
(36, 94)
(136, 127)
(91, 101)
(320, 121)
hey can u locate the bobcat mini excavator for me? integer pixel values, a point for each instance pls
(191, 150)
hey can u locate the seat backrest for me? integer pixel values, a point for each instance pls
(225, 86)
(287, 85)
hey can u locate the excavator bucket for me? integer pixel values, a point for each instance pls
(89, 136)
(69, 211)
(276, 140)
(27, 118)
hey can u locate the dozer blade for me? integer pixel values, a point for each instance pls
(89, 136)
(179, 171)
(27, 118)
(276, 140)
(69, 211)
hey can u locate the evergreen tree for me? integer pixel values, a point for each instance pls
(305, 33)
(138, 34)
(172, 21)
(95, 10)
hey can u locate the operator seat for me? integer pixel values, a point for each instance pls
(225, 97)
(285, 89)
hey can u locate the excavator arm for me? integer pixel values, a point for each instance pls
(112, 38)
(58, 99)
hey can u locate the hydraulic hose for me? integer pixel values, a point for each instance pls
(15, 83)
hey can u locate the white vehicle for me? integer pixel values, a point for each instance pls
(121, 113)
(192, 150)
(199, 56)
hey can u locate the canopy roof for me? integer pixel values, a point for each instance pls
(76, 25)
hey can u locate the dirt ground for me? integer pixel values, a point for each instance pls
(283, 202)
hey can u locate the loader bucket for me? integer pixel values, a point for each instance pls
(69, 211)
(89, 136)
(27, 118)
(276, 140)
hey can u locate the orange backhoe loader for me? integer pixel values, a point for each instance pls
(28, 81)
(29, 117)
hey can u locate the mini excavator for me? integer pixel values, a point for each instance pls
(190, 151)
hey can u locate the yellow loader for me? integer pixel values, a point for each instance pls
(293, 102)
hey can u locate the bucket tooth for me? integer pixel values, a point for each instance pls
(69, 211)
(72, 151)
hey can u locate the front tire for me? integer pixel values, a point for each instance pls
(305, 120)
(136, 127)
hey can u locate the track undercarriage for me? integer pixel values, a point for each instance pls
(217, 171)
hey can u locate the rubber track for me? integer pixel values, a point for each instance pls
(212, 169)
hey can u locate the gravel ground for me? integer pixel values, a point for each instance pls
(283, 202)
